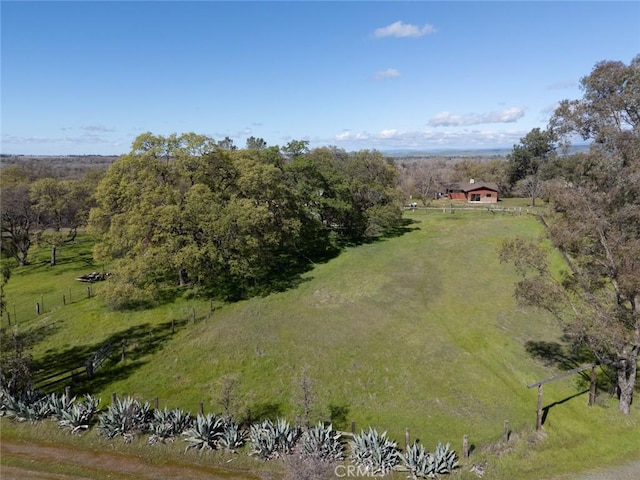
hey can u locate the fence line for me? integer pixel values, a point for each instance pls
(453, 208)
(40, 304)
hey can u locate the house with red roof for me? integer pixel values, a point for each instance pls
(474, 192)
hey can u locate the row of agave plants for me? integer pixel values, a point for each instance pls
(371, 451)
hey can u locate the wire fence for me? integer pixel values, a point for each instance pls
(467, 208)
(18, 313)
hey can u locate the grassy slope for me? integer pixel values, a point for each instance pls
(417, 331)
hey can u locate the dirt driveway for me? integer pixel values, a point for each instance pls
(91, 465)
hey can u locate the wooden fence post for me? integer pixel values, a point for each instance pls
(9, 318)
(173, 326)
(465, 446)
(193, 315)
(64, 300)
(88, 292)
(539, 409)
(37, 308)
(157, 403)
(201, 408)
(67, 393)
(113, 397)
(353, 428)
(593, 387)
(505, 431)
(406, 439)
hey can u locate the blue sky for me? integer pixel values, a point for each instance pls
(88, 77)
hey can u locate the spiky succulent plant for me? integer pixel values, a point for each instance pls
(125, 417)
(423, 464)
(374, 452)
(205, 433)
(79, 415)
(167, 424)
(322, 442)
(269, 439)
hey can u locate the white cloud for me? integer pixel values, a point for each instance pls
(388, 133)
(448, 119)
(388, 73)
(389, 139)
(401, 30)
(347, 135)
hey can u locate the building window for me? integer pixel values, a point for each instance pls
(488, 195)
(475, 197)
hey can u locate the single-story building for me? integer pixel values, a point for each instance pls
(473, 192)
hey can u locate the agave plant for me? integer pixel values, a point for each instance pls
(79, 415)
(125, 417)
(418, 462)
(206, 432)
(233, 436)
(31, 406)
(322, 442)
(422, 464)
(444, 459)
(168, 424)
(374, 452)
(271, 440)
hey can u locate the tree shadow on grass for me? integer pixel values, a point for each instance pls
(261, 411)
(546, 409)
(560, 354)
(339, 416)
(129, 350)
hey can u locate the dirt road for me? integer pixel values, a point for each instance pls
(76, 464)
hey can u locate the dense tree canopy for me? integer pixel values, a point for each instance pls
(183, 209)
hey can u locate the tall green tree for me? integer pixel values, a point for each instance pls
(50, 199)
(597, 226)
(528, 160)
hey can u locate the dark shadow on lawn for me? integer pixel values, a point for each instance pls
(545, 410)
(262, 411)
(60, 367)
(560, 355)
(339, 415)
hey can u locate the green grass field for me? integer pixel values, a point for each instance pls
(417, 331)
